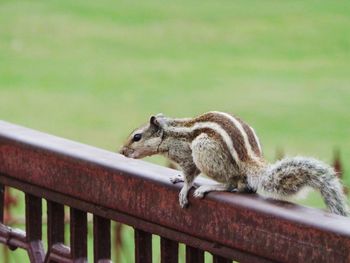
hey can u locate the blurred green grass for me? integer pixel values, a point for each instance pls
(93, 70)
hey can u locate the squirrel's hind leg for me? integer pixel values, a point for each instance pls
(214, 160)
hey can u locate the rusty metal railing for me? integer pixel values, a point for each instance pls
(241, 227)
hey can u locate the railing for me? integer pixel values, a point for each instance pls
(241, 227)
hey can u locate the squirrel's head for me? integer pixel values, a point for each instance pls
(145, 141)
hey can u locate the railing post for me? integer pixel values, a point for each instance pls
(2, 196)
(218, 259)
(78, 235)
(33, 228)
(55, 223)
(169, 251)
(194, 255)
(143, 246)
(102, 239)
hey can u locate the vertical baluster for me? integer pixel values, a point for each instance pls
(143, 247)
(102, 238)
(2, 197)
(218, 259)
(55, 223)
(169, 250)
(194, 255)
(78, 235)
(33, 217)
(33, 228)
(5, 256)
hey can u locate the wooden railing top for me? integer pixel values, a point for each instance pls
(140, 194)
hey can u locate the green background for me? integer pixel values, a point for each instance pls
(91, 71)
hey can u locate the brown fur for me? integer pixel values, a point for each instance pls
(251, 138)
(212, 134)
(226, 124)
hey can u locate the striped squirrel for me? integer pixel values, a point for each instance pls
(228, 150)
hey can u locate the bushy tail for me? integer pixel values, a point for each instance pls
(288, 176)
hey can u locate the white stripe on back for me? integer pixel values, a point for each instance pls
(239, 126)
(211, 125)
(256, 139)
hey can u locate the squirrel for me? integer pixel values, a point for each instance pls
(226, 149)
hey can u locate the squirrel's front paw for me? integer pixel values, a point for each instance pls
(183, 199)
(199, 192)
(177, 179)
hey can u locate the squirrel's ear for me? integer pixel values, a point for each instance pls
(157, 120)
(153, 121)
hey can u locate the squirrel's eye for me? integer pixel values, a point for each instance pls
(137, 137)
